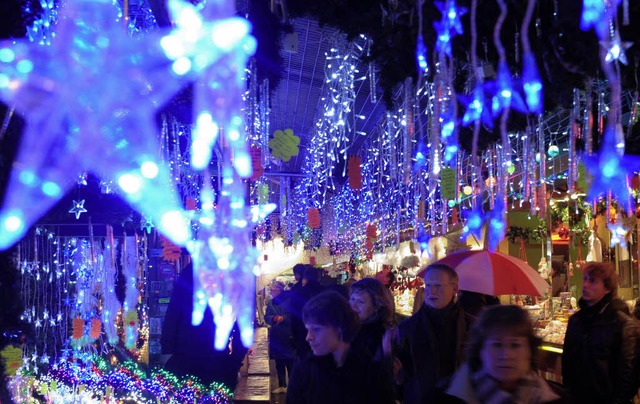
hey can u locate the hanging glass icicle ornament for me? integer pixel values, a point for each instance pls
(491, 179)
(435, 142)
(541, 191)
(265, 123)
(421, 49)
(391, 148)
(587, 119)
(602, 113)
(409, 128)
(574, 119)
(371, 73)
(526, 150)
(252, 111)
(633, 115)
(502, 175)
(530, 77)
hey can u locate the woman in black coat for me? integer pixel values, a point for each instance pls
(336, 373)
(601, 343)
(281, 346)
(374, 305)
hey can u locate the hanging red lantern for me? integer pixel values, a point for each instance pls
(256, 163)
(354, 171)
(96, 328)
(78, 328)
(190, 203)
(372, 232)
(313, 218)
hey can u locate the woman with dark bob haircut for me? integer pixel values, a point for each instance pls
(501, 364)
(373, 303)
(335, 373)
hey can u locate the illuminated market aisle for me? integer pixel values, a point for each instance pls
(255, 381)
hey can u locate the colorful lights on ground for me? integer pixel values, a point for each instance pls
(98, 381)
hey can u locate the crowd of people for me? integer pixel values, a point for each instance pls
(343, 344)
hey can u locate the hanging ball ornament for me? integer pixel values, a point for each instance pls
(537, 157)
(511, 168)
(467, 190)
(553, 150)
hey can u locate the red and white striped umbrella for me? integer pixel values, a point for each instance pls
(494, 273)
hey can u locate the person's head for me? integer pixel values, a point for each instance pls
(298, 271)
(503, 344)
(276, 288)
(600, 279)
(372, 301)
(330, 322)
(440, 285)
(557, 268)
(311, 274)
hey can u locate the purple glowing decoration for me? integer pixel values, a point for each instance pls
(597, 14)
(609, 169)
(531, 83)
(497, 224)
(421, 54)
(504, 96)
(421, 157)
(90, 100)
(423, 237)
(475, 108)
(449, 26)
(618, 232)
(474, 220)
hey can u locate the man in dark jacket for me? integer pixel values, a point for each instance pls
(601, 344)
(192, 347)
(430, 343)
(299, 297)
(281, 346)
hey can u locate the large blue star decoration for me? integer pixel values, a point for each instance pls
(609, 169)
(89, 100)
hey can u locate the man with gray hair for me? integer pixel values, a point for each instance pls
(430, 344)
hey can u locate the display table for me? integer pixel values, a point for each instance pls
(550, 362)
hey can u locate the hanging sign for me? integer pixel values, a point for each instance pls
(448, 183)
(284, 144)
(12, 358)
